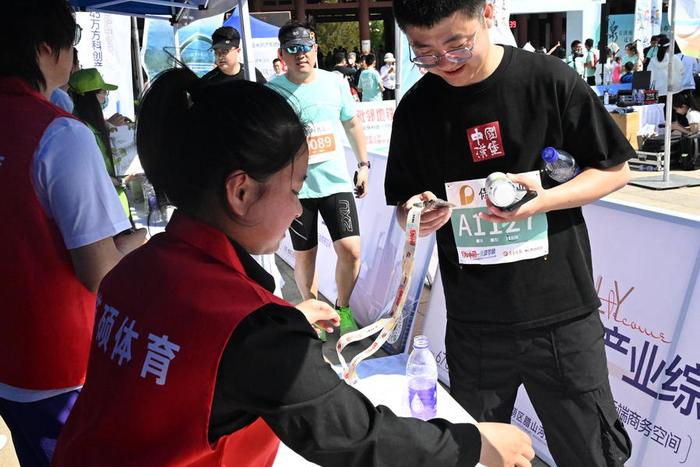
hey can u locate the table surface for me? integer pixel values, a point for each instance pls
(390, 390)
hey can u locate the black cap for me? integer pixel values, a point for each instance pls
(225, 37)
(297, 36)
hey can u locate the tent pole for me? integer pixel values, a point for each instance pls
(136, 54)
(669, 94)
(248, 60)
(398, 45)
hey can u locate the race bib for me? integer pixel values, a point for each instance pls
(482, 242)
(321, 141)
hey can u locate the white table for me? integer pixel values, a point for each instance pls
(649, 116)
(391, 391)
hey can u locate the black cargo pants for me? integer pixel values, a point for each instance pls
(564, 370)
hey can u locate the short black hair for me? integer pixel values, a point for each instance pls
(680, 100)
(629, 66)
(31, 23)
(589, 42)
(426, 14)
(369, 59)
(339, 57)
(276, 60)
(575, 44)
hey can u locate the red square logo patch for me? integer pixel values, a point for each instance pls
(485, 142)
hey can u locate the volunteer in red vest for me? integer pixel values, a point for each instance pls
(62, 217)
(194, 361)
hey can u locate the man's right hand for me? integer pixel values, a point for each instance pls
(431, 219)
(504, 445)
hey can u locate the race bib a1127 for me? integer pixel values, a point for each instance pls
(482, 242)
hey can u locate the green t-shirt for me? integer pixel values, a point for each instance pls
(323, 105)
(109, 165)
(591, 59)
(369, 85)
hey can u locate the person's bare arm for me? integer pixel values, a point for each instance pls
(92, 262)
(356, 137)
(590, 185)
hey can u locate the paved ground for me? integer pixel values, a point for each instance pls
(682, 200)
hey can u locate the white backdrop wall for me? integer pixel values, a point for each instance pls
(105, 44)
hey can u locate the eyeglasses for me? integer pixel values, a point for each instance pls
(295, 49)
(78, 34)
(457, 55)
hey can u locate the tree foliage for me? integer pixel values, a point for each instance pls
(347, 34)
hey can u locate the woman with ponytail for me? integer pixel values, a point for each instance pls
(659, 69)
(194, 361)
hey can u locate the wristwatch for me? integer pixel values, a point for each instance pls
(364, 164)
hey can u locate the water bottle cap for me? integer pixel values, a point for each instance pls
(420, 342)
(549, 154)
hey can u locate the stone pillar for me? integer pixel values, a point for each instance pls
(534, 27)
(300, 10)
(557, 29)
(522, 29)
(365, 45)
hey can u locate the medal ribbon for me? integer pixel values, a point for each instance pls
(385, 326)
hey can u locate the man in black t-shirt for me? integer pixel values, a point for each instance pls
(515, 315)
(341, 66)
(225, 41)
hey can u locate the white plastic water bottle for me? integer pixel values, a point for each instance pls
(606, 98)
(559, 165)
(421, 371)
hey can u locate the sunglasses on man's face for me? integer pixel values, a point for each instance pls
(295, 49)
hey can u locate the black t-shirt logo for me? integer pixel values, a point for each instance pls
(485, 142)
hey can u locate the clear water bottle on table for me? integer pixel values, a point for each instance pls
(151, 203)
(421, 372)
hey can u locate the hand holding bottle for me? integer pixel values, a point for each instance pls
(528, 209)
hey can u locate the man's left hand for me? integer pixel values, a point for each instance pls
(362, 182)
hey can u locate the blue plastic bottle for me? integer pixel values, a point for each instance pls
(421, 371)
(559, 165)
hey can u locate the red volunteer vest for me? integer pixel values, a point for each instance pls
(164, 317)
(45, 311)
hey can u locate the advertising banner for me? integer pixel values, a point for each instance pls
(646, 268)
(377, 117)
(621, 29)
(655, 17)
(642, 21)
(501, 32)
(106, 45)
(687, 27)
